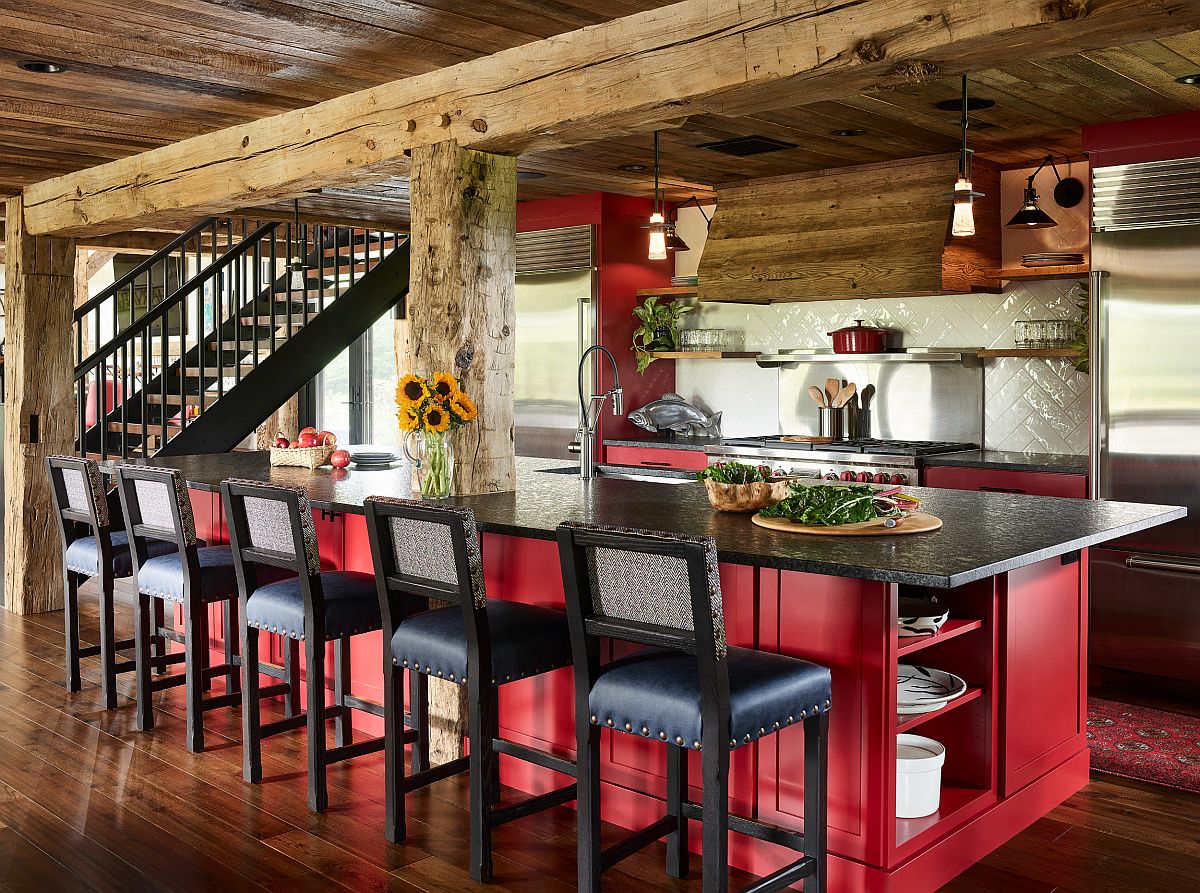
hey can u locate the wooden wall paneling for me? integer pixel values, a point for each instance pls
(39, 408)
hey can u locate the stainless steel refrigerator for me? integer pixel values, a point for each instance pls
(556, 322)
(1145, 328)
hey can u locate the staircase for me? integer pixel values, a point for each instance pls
(196, 346)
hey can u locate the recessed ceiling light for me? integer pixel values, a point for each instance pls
(974, 104)
(632, 168)
(530, 175)
(41, 66)
(1193, 79)
(848, 131)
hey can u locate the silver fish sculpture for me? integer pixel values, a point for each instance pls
(672, 413)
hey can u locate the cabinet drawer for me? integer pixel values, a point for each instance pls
(653, 457)
(1035, 483)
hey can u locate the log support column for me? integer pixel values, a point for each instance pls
(462, 319)
(39, 408)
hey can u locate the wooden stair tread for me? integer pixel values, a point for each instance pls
(178, 400)
(139, 428)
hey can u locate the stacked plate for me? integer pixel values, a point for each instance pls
(372, 457)
(920, 616)
(924, 689)
(1051, 259)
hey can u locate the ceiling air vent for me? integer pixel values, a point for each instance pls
(748, 145)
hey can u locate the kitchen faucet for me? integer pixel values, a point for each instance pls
(589, 413)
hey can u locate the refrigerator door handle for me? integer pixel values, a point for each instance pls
(1096, 368)
(1162, 564)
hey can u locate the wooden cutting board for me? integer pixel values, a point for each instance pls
(917, 522)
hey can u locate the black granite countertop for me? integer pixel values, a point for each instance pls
(1057, 463)
(984, 533)
(662, 442)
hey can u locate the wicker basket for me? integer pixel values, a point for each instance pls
(302, 457)
(747, 497)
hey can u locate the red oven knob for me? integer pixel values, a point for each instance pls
(899, 479)
(864, 476)
(847, 475)
(880, 477)
(832, 476)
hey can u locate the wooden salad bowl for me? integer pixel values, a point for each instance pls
(747, 497)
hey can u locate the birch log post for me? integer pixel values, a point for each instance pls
(462, 319)
(39, 408)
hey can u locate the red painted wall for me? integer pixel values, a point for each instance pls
(623, 269)
(1149, 139)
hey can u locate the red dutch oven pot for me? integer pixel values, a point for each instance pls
(859, 339)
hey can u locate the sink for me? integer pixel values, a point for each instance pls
(607, 471)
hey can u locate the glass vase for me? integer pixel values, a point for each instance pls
(432, 458)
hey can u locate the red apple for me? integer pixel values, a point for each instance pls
(281, 441)
(339, 458)
(308, 430)
(306, 439)
(326, 438)
(293, 444)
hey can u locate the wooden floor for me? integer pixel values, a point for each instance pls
(87, 803)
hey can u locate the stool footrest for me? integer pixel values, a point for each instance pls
(168, 660)
(275, 688)
(124, 644)
(784, 877)
(165, 682)
(284, 725)
(533, 755)
(89, 651)
(638, 840)
(219, 670)
(232, 699)
(530, 805)
(174, 635)
(357, 749)
(275, 671)
(356, 703)
(437, 773)
(793, 840)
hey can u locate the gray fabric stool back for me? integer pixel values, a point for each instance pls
(689, 690)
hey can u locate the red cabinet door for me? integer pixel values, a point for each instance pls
(1035, 483)
(655, 457)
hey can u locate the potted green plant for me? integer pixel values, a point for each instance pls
(659, 329)
(1082, 298)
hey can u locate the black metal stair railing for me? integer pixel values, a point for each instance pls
(174, 361)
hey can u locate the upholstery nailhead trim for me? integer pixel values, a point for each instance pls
(593, 719)
(609, 723)
(662, 736)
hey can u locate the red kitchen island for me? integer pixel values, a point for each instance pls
(1011, 569)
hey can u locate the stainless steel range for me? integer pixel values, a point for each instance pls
(863, 460)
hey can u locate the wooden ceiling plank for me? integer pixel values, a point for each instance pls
(1149, 76)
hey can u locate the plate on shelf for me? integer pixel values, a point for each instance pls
(921, 616)
(925, 689)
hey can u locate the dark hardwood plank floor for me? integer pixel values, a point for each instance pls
(87, 803)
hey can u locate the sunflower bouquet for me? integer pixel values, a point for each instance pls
(428, 410)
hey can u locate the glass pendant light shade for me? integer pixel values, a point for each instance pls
(1031, 216)
(297, 268)
(658, 237)
(964, 211)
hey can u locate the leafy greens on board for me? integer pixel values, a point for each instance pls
(735, 473)
(826, 505)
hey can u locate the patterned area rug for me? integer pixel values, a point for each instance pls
(1145, 744)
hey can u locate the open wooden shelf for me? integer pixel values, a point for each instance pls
(1033, 274)
(1048, 353)
(959, 802)
(951, 629)
(906, 722)
(704, 354)
(669, 291)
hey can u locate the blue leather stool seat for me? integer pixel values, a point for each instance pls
(658, 691)
(163, 576)
(351, 605)
(526, 640)
(83, 555)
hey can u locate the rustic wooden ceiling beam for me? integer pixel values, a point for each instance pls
(623, 76)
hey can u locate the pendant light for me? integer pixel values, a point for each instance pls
(1031, 216)
(658, 221)
(296, 264)
(963, 223)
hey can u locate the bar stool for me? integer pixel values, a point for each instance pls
(433, 552)
(95, 545)
(158, 510)
(689, 690)
(271, 526)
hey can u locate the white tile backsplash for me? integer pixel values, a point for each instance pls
(1030, 404)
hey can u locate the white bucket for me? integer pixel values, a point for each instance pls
(918, 776)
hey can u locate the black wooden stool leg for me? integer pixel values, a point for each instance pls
(233, 679)
(481, 702)
(393, 756)
(314, 660)
(142, 663)
(714, 865)
(195, 625)
(418, 711)
(160, 642)
(494, 733)
(291, 675)
(677, 792)
(816, 770)
(343, 727)
(251, 719)
(71, 624)
(588, 806)
(108, 643)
